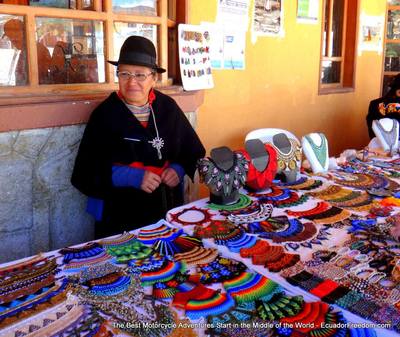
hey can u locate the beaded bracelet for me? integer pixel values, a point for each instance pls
(387, 283)
(311, 283)
(365, 308)
(287, 261)
(324, 288)
(336, 294)
(349, 300)
(364, 272)
(299, 277)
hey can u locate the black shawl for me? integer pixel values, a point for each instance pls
(109, 139)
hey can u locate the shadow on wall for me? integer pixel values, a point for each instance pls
(39, 209)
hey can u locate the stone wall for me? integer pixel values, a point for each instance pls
(39, 208)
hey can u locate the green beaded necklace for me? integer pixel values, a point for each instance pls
(319, 151)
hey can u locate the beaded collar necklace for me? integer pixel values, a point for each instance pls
(390, 136)
(194, 216)
(288, 160)
(319, 151)
(286, 308)
(248, 287)
(303, 183)
(198, 255)
(263, 213)
(162, 232)
(243, 202)
(218, 179)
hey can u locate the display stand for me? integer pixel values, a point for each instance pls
(288, 156)
(315, 148)
(223, 157)
(224, 173)
(387, 132)
(259, 156)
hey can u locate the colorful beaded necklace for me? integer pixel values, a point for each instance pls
(248, 287)
(200, 216)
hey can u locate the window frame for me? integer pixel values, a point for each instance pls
(348, 48)
(387, 73)
(102, 11)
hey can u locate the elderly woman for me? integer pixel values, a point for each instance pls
(387, 106)
(136, 148)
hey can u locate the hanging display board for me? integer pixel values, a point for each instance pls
(194, 57)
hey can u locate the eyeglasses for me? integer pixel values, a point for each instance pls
(126, 75)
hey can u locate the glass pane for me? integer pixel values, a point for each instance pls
(394, 2)
(49, 3)
(393, 25)
(76, 48)
(13, 61)
(72, 4)
(326, 29)
(337, 27)
(139, 7)
(15, 2)
(122, 30)
(330, 72)
(387, 80)
(172, 9)
(173, 68)
(392, 54)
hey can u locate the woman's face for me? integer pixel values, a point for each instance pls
(135, 92)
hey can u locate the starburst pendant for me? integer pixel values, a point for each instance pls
(158, 144)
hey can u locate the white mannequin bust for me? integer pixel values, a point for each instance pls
(387, 132)
(315, 148)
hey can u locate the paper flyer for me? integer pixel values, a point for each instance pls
(194, 57)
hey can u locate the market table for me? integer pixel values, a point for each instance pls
(197, 273)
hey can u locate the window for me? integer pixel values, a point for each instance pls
(392, 45)
(338, 46)
(61, 46)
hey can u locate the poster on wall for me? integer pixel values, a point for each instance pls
(268, 18)
(233, 13)
(371, 33)
(194, 57)
(234, 45)
(307, 11)
(227, 47)
(216, 44)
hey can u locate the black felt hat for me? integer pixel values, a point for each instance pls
(138, 51)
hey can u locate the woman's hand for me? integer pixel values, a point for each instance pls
(150, 182)
(169, 177)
